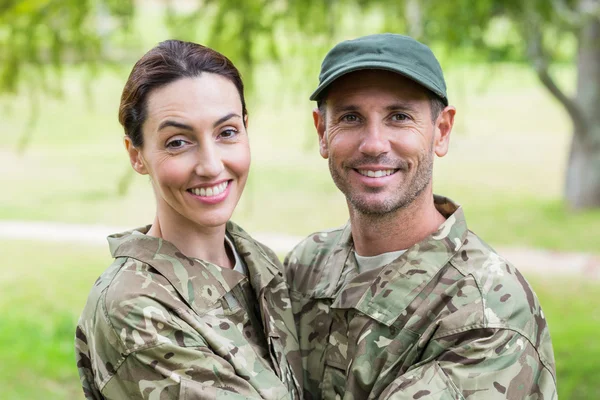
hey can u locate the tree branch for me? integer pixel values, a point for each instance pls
(539, 59)
(572, 108)
(572, 18)
(589, 8)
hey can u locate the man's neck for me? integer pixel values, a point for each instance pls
(374, 234)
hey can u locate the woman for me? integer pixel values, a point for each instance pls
(192, 306)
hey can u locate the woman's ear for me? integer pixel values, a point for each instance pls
(135, 156)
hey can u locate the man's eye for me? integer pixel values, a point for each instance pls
(228, 134)
(350, 118)
(400, 117)
(176, 144)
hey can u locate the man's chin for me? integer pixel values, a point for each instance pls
(375, 207)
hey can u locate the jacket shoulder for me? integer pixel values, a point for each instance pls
(144, 308)
(508, 300)
(304, 263)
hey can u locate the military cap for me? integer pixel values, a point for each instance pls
(391, 52)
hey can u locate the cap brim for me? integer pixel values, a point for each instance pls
(406, 72)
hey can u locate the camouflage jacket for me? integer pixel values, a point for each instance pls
(449, 319)
(157, 325)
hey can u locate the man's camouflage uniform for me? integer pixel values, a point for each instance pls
(160, 325)
(449, 319)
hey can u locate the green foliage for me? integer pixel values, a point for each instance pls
(46, 32)
(38, 37)
(42, 33)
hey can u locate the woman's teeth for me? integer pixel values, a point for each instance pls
(376, 174)
(210, 191)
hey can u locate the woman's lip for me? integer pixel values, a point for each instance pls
(209, 184)
(212, 199)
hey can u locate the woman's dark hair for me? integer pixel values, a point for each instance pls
(169, 61)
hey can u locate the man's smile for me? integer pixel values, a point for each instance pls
(376, 173)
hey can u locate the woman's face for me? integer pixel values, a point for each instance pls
(195, 150)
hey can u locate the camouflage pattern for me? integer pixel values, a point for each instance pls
(448, 319)
(160, 325)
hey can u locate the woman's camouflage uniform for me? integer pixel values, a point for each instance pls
(160, 325)
(449, 319)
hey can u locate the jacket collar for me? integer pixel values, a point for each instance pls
(386, 293)
(200, 283)
(261, 267)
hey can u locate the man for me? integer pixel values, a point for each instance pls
(404, 302)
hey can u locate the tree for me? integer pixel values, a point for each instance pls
(38, 37)
(543, 26)
(44, 32)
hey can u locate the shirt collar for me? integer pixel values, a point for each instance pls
(397, 284)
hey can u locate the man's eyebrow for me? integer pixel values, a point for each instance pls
(342, 109)
(174, 124)
(225, 118)
(400, 106)
(391, 107)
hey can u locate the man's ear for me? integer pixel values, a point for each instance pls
(135, 156)
(443, 128)
(319, 120)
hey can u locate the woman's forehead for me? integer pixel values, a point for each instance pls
(208, 96)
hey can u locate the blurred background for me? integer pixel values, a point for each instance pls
(524, 159)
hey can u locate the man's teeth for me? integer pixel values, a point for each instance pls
(211, 191)
(376, 174)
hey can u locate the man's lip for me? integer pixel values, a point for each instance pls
(209, 184)
(378, 168)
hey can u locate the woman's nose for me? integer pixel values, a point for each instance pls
(209, 161)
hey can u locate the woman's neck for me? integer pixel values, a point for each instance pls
(205, 243)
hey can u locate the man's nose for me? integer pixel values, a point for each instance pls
(374, 142)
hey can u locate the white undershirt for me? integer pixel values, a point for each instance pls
(239, 266)
(372, 262)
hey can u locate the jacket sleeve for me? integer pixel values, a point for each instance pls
(478, 364)
(156, 351)
(168, 371)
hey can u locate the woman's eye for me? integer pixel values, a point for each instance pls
(228, 134)
(176, 144)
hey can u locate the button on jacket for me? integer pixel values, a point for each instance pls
(448, 319)
(160, 325)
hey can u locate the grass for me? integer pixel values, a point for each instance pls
(572, 309)
(45, 286)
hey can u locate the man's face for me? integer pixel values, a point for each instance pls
(378, 134)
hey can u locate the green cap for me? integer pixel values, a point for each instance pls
(391, 52)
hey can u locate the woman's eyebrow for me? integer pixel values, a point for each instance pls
(225, 118)
(174, 124)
